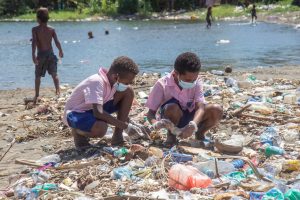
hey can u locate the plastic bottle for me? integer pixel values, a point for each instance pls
(55, 158)
(273, 194)
(223, 166)
(291, 165)
(238, 163)
(261, 108)
(40, 176)
(297, 96)
(21, 191)
(121, 152)
(272, 150)
(270, 136)
(217, 72)
(256, 195)
(292, 194)
(207, 171)
(186, 177)
(109, 150)
(120, 172)
(179, 157)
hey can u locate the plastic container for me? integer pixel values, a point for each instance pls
(21, 191)
(207, 171)
(273, 194)
(54, 158)
(292, 194)
(120, 172)
(179, 157)
(238, 163)
(109, 150)
(256, 195)
(291, 165)
(223, 166)
(297, 96)
(261, 108)
(217, 72)
(121, 152)
(186, 177)
(272, 150)
(270, 136)
(40, 176)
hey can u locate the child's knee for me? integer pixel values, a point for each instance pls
(172, 110)
(99, 129)
(217, 110)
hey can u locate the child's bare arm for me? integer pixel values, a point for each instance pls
(57, 43)
(34, 45)
(100, 114)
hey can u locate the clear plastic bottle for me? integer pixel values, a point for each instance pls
(121, 152)
(217, 72)
(297, 96)
(223, 166)
(55, 158)
(186, 177)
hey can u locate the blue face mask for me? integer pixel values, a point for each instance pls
(186, 85)
(120, 87)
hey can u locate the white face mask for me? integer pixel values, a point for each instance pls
(120, 87)
(186, 85)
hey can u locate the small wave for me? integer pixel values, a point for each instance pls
(223, 41)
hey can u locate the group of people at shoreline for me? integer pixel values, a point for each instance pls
(176, 101)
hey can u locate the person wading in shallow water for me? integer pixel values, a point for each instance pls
(253, 14)
(209, 17)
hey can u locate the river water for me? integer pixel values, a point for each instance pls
(154, 45)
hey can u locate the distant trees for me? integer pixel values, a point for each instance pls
(16, 7)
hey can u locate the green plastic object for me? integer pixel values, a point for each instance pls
(273, 150)
(292, 194)
(251, 77)
(239, 176)
(49, 186)
(273, 194)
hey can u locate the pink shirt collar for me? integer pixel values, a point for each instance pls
(103, 74)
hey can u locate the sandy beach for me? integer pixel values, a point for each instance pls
(39, 133)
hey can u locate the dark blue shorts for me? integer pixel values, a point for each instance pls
(186, 117)
(85, 120)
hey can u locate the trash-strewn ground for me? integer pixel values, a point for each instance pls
(269, 126)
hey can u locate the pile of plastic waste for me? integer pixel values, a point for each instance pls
(253, 154)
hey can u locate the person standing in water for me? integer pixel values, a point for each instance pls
(253, 13)
(45, 60)
(209, 17)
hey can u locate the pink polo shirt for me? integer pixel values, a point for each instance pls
(166, 88)
(95, 89)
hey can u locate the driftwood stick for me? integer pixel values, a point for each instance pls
(10, 146)
(238, 112)
(262, 118)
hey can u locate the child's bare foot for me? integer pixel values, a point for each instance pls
(170, 141)
(57, 92)
(199, 136)
(79, 140)
(119, 141)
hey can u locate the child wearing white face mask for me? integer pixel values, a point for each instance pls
(88, 110)
(179, 98)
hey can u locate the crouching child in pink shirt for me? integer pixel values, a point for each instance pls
(178, 97)
(88, 110)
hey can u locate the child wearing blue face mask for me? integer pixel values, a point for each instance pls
(178, 97)
(88, 110)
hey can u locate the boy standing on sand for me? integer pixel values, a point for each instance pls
(179, 98)
(88, 110)
(45, 60)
